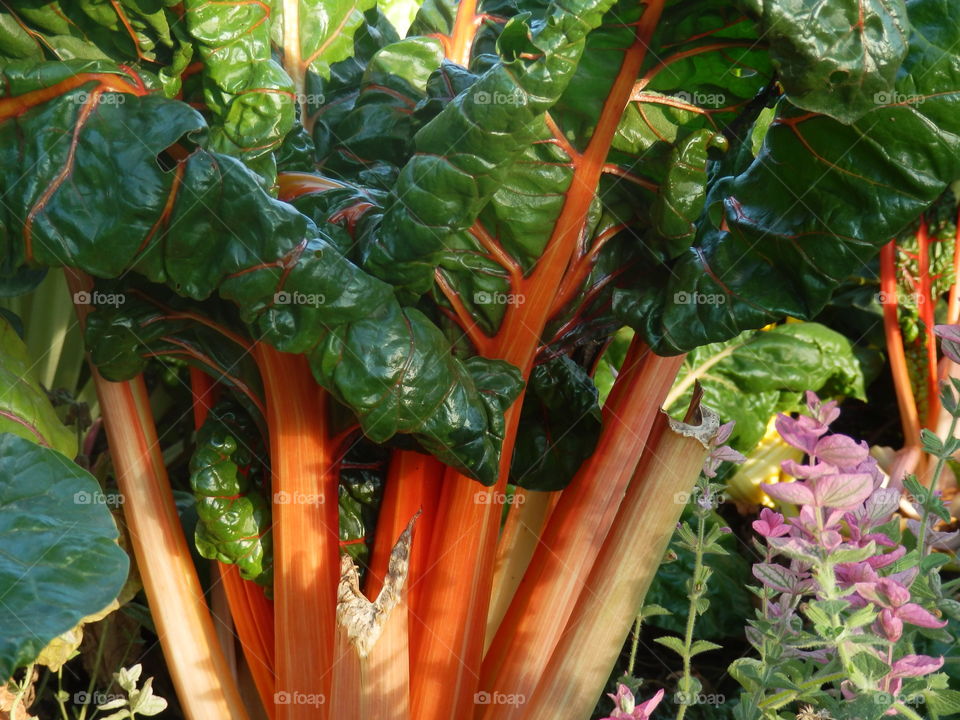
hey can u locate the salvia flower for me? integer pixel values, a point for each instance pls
(770, 524)
(949, 340)
(626, 707)
(834, 555)
(894, 599)
(719, 452)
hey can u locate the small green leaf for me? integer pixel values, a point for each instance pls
(127, 678)
(702, 646)
(747, 672)
(944, 702)
(674, 643)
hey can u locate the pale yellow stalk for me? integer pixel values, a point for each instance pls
(597, 629)
(518, 541)
(200, 673)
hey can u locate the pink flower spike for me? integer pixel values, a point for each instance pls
(770, 524)
(802, 432)
(916, 615)
(915, 666)
(891, 625)
(807, 472)
(623, 701)
(844, 492)
(949, 340)
(795, 492)
(626, 707)
(842, 451)
(723, 433)
(644, 710)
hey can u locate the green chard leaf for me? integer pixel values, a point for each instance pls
(782, 230)
(25, 409)
(360, 492)
(762, 372)
(233, 501)
(59, 557)
(248, 92)
(205, 225)
(559, 426)
(836, 58)
(463, 154)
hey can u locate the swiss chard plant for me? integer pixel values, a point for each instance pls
(393, 266)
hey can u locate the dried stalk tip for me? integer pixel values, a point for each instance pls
(364, 620)
(704, 432)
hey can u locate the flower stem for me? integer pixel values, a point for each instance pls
(697, 589)
(922, 544)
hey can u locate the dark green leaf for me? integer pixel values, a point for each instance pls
(839, 58)
(59, 558)
(559, 426)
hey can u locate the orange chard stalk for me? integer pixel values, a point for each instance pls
(252, 614)
(906, 402)
(456, 595)
(306, 535)
(200, 673)
(413, 484)
(597, 629)
(926, 308)
(251, 610)
(571, 542)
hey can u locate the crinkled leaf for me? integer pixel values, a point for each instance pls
(463, 154)
(321, 33)
(360, 492)
(246, 89)
(836, 57)
(817, 202)
(233, 507)
(207, 226)
(59, 558)
(683, 192)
